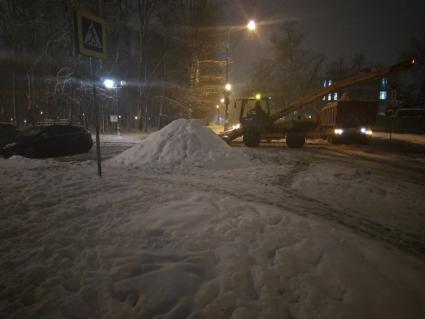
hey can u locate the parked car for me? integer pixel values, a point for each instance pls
(7, 133)
(49, 141)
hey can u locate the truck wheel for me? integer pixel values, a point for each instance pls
(251, 138)
(332, 140)
(295, 139)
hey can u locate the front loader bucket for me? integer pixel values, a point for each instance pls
(230, 135)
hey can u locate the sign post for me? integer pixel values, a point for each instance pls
(91, 35)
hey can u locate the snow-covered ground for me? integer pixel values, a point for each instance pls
(183, 226)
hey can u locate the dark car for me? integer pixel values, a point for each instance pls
(7, 133)
(49, 141)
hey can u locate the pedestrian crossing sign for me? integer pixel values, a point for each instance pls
(91, 33)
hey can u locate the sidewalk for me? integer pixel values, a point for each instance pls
(410, 138)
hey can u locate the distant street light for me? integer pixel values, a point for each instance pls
(109, 84)
(251, 25)
(222, 100)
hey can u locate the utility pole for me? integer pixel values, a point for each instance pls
(227, 86)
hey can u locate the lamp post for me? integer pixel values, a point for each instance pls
(112, 84)
(218, 113)
(251, 26)
(227, 91)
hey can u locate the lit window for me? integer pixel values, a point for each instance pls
(384, 82)
(330, 97)
(325, 83)
(330, 83)
(335, 96)
(383, 95)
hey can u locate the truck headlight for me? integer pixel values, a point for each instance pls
(366, 131)
(338, 131)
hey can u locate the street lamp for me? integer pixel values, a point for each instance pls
(227, 90)
(218, 113)
(109, 84)
(251, 26)
(112, 84)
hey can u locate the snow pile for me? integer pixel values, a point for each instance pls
(182, 143)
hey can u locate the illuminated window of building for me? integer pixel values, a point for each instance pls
(383, 95)
(330, 97)
(325, 83)
(335, 96)
(329, 82)
(384, 82)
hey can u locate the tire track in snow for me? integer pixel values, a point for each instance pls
(299, 204)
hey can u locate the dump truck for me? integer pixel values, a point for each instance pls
(347, 121)
(257, 123)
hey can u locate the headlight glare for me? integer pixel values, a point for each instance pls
(338, 131)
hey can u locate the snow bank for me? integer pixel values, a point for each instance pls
(182, 143)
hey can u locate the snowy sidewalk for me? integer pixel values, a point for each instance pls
(410, 138)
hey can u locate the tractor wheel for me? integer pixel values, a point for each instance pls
(295, 139)
(251, 138)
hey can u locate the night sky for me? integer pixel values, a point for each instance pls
(379, 29)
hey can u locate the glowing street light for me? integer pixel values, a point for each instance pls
(258, 96)
(252, 26)
(228, 87)
(109, 84)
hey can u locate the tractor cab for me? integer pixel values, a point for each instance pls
(254, 112)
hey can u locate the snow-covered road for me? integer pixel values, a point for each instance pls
(282, 234)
